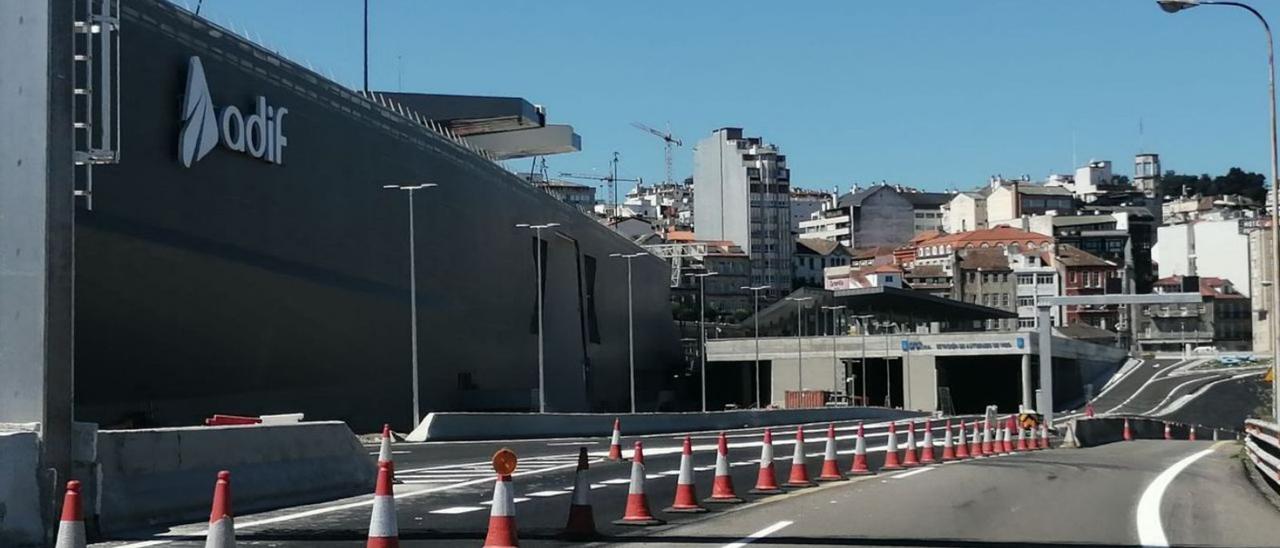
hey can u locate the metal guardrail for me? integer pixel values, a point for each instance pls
(1262, 445)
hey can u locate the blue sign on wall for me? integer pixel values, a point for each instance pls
(1019, 342)
(905, 345)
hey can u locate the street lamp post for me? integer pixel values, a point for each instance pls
(702, 325)
(862, 328)
(835, 375)
(542, 377)
(413, 297)
(631, 330)
(888, 374)
(799, 350)
(755, 290)
(1172, 6)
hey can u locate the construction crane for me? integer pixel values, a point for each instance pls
(668, 138)
(611, 180)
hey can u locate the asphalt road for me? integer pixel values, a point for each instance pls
(1175, 389)
(447, 487)
(1082, 497)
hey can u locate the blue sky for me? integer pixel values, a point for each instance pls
(930, 93)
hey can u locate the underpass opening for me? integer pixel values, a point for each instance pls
(881, 378)
(978, 381)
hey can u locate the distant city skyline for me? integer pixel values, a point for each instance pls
(934, 95)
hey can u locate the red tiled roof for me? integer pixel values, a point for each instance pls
(997, 235)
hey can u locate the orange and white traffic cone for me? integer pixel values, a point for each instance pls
(926, 450)
(1044, 436)
(222, 528)
(686, 494)
(1021, 446)
(71, 526)
(909, 455)
(1127, 433)
(975, 443)
(1168, 432)
(767, 479)
(1006, 445)
(383, 531)
(891, 450)
(962, 447)
(582, 520)
(502, 516)
(637, 512)
(384, 452)
(830, 463)
(799, 465)
(859, 467)
(987, 449)
(948, 445)
(615, 441)
(1192, 434)
(722, 490)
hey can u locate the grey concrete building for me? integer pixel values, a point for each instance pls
(1262, 269)
(743, 190)
(878, 215)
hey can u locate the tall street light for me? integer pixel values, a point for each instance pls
(413, 296)
(835, 376)
(862, 328)
(631, 330)
(1173, 6)
(542, 377)
(702, 324)
(799, 351)
(755, 290)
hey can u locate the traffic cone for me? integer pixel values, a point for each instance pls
(948, 445)
(637, 512)
(1215, 434)
(1006, 446)
(891, 450)
(830, 464)
(909, 456)
(383, 531)
(1044, 436)
(1192, 434)
(722, 487)
(502, 517)
(926, 450)
(222, 528)
(1168, 432)
(962, 447)
(1021, 446)
(384, 452)
(975, 443)
(799, 467)
(859, 467)
(615, 442)
(71, 526)
(1127, 434)
(986, 438)
(686, 494)
(767, 479)
(582, 520)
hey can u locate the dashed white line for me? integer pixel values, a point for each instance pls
(759, 534)
(541, 494)
(1150, 530)
(911, 473)
(616, 481)
(454, 510)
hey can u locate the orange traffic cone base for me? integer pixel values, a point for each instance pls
(685, 510)
(759, 491)
(639, 521)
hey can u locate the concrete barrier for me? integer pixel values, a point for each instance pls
(20, 522)
(1103, 430)
(496, 426)
(166, 475)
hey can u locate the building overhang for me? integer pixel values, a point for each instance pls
(525, 143)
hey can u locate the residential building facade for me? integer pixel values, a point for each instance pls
(1262, 272)
(1222, 319)
(877, 215)
(743, 195)
(813, 257)
(1083, 273)
(1035, 278)
(1218, 249)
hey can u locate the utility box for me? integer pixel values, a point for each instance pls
(806, 399)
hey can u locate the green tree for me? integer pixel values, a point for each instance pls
(1235, 181)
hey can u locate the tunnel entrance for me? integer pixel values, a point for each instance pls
(877, 385)
(975, 382)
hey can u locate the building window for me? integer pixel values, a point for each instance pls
(1026, 279)
(1026, 301)
(1024, 323)
(1044, 279)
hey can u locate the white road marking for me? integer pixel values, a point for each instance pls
(1150, 531)
(514, 500)
(541, 494)
(911, 473)
(453, 510)
(595, 486)
(759, 534)
(564, 443)
(1154, 378)
(616, 481)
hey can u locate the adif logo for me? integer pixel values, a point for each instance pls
(260, 135)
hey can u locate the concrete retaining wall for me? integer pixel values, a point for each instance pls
(489, 426)
(20, 523)
(1103, 430)
(166, 475)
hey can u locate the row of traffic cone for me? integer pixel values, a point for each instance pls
(1127, 433)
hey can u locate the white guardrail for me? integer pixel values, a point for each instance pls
(1262, 444)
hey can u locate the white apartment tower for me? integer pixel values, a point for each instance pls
(743, 191)
(1146, 172)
